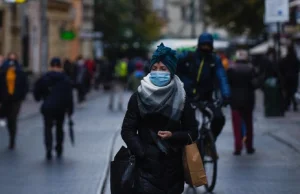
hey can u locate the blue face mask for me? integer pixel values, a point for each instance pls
(160, 78)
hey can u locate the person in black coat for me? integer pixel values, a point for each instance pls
(289, 67)
(55, 89)
(13, 89)
(241, 76)
(158, 123)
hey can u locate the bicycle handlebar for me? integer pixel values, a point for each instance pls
(203, 106)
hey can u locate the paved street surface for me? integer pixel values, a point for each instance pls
(25, 170)
(274, 169)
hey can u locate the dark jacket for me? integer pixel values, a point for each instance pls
(157, 172)
(289, 68)
(55, 89)
(213, 75)
(21, 83)
(242, 82)
(81, 74)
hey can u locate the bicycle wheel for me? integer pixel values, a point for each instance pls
(210, 161)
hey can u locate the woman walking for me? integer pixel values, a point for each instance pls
(157, 125)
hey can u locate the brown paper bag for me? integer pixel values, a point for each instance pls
(194, 171)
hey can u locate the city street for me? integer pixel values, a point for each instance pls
(25, 170)
(273, 169)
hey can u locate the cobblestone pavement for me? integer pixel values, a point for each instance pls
(273, 169)
(25, 170)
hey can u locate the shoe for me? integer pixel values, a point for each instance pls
(11, 145)
(59, 151)
(251, 151)
(237, 153)
(49, 155)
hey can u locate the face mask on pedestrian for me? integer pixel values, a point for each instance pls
(160, 78)
(205, 49)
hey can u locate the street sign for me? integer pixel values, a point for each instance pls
(90, 34)
(67, 35)
(276, 11)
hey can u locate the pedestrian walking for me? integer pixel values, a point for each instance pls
(158, 123)
(81, 79)
(119, 84)
(69, 69)
(134, 80)
(91, 67)
(13, 90)
(241, 76)
(2, 119)
(289, 68)
(273, 87)
(55, 90)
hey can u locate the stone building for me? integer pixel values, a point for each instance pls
(87, 28)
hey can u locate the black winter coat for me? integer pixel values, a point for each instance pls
(158, 173)
(21, 84)
(241, 78)
(289, 67)
(55, 89)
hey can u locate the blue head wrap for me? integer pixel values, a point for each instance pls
(165, 55)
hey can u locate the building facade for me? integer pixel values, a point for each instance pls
(181, 21)
(87, 28)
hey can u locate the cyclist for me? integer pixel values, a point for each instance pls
(202, 73)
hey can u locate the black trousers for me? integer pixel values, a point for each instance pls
(218, 121)
(10, 111)
(49, 122)
(81, 92)
(290, 98)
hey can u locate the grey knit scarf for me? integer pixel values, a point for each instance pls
(167, 101)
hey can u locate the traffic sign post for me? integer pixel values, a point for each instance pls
(276, 11)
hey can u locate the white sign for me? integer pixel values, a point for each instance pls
(90, 34)
(276, 11)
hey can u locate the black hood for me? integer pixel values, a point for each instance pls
(53, 77)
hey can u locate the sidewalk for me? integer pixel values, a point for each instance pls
(284, 129)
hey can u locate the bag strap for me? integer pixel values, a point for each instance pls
(199, 74)
(190, 138)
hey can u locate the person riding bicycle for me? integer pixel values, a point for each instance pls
(202, 73)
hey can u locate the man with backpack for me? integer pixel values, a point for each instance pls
(13, 90)
(55, 89)
(202, 73)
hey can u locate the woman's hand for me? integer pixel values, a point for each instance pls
(164, 134)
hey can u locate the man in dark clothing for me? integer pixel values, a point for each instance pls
(243, 82)
(13, 90)
(69, 69)
(55, 89)
(202, 73)
(289, 67)
(81, 79)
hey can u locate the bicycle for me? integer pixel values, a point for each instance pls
(206, 144)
